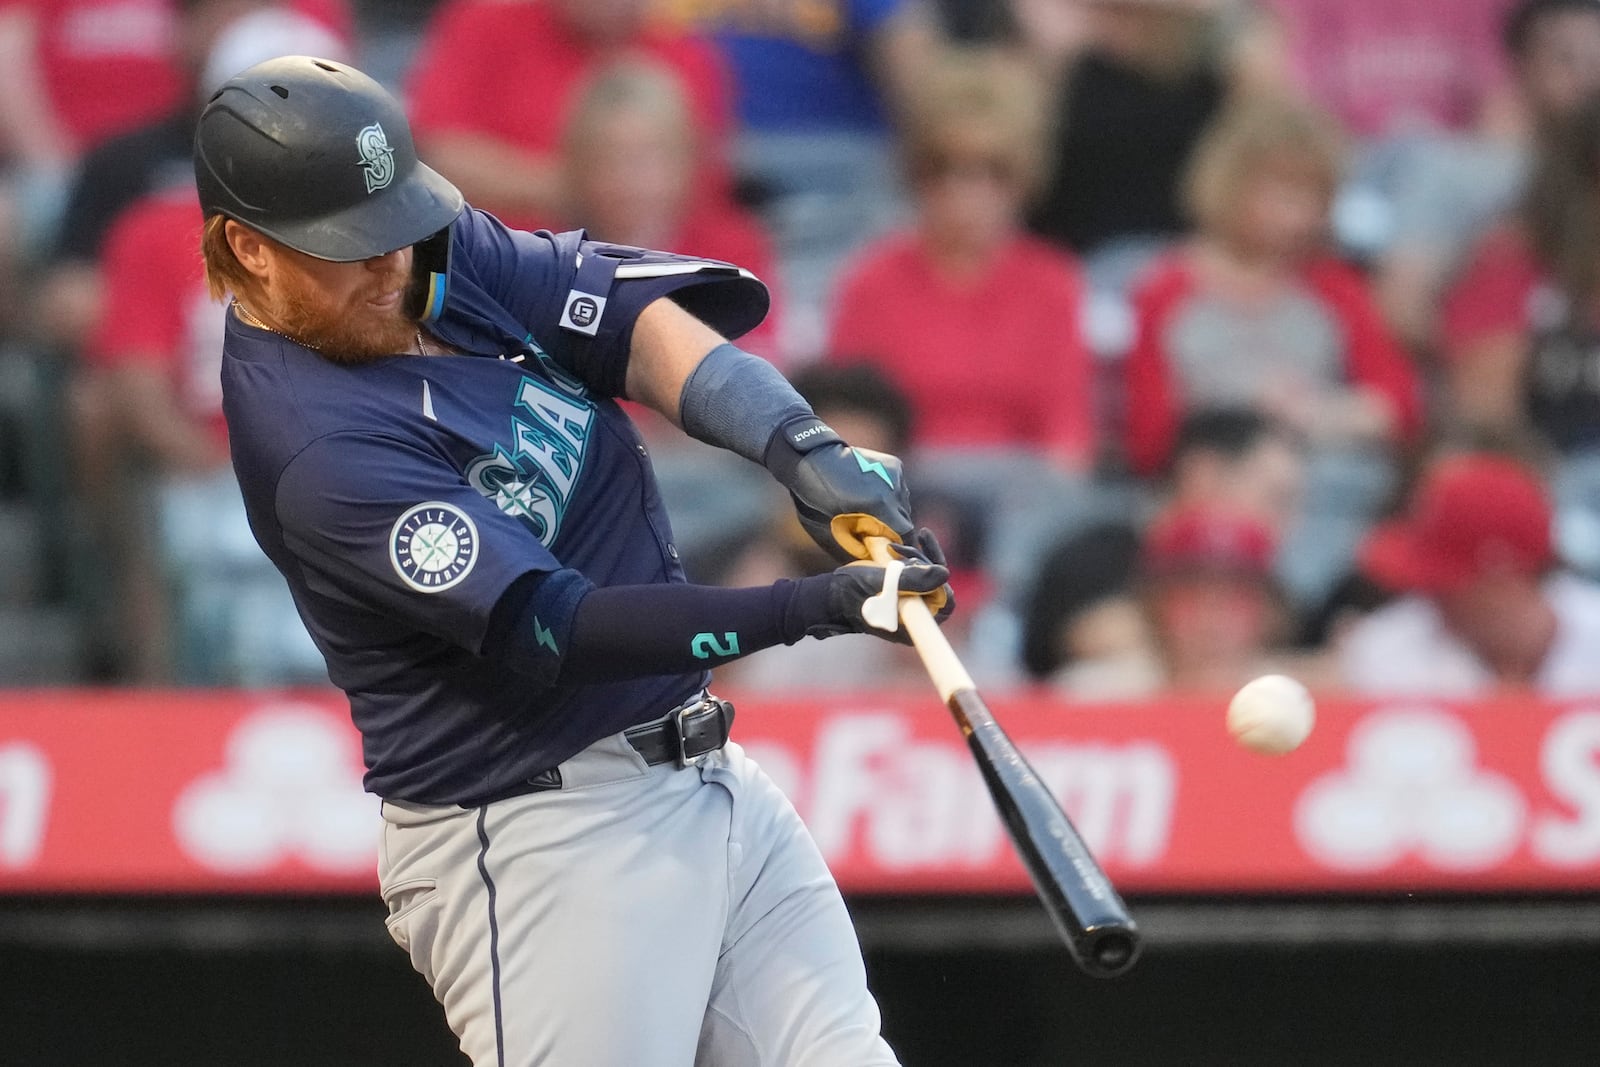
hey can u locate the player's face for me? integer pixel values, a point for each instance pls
(346, 311)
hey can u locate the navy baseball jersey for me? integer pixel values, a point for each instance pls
(402, 496)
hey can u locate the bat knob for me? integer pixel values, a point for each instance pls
(1113, 953)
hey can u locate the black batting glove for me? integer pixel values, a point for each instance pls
(865, 598)
(828, 478)
(921, 545)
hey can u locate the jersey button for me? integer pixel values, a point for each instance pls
(672, 550)
(642, 450)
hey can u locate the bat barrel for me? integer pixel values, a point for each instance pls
(1079, 898)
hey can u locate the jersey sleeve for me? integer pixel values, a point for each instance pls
(578, 299)
(381, 524)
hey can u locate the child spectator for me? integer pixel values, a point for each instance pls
(1255, 311)
(1083, 615)
(1217, 615)
(1484, 605)
(1085, 632)
(1201, 616)
(495, 81)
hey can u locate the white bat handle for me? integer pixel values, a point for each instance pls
(940, 660)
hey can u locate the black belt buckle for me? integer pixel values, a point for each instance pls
(702, 728)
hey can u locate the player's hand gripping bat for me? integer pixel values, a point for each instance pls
(1080, 900)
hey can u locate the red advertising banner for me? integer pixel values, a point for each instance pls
(246, 792)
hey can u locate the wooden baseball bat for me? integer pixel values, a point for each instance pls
(1080, 900)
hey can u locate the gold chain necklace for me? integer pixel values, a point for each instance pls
(248, 316)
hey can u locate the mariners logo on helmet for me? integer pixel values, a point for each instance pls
(433, 546)
(376, 156)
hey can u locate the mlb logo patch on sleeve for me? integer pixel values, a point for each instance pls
(433, 546)
(583, 312)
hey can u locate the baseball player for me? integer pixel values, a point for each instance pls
(422, 412)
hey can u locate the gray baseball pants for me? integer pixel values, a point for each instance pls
(639, 916)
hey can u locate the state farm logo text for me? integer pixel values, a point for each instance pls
(868, 785)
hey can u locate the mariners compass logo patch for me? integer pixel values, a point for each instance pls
(376, 156)
(433, 546)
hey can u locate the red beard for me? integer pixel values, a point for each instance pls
(351, 334)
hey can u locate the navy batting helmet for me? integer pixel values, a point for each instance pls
(318, 156)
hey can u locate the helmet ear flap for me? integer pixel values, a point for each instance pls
(430, 273)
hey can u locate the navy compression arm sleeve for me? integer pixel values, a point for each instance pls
(632, 631)
(738, 401)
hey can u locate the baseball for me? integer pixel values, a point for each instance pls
(1272, 715)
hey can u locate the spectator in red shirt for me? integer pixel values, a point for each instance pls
(977, 321)
(496, 80)
(159, 337)
(1201, 613)
(1253, 311)
(1086, 627)
(81, 70)
(973, 318)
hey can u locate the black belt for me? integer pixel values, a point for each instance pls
(684, 736)
(697, 729)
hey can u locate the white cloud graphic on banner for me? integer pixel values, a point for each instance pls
(290, 787)
(1411, 786)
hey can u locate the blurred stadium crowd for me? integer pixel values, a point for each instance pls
(1219, 335)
